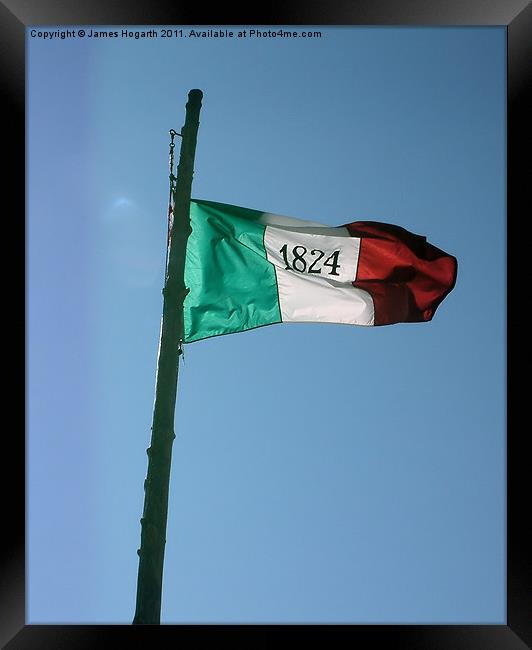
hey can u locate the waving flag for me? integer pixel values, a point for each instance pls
(246, 269)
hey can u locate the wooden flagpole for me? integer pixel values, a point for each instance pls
(153, 522)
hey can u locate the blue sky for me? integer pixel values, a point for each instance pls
(321, 473)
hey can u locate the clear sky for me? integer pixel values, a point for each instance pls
(321, 473)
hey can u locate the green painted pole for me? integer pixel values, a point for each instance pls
(153, 522)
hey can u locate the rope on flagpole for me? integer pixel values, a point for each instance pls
(173, 180)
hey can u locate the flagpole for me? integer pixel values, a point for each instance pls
(153, 522)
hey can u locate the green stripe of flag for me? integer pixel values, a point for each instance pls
(233, 287)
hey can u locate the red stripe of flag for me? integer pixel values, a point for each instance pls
(406, 276)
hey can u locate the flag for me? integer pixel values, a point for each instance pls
(246, 268)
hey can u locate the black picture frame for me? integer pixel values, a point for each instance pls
(516, 15)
